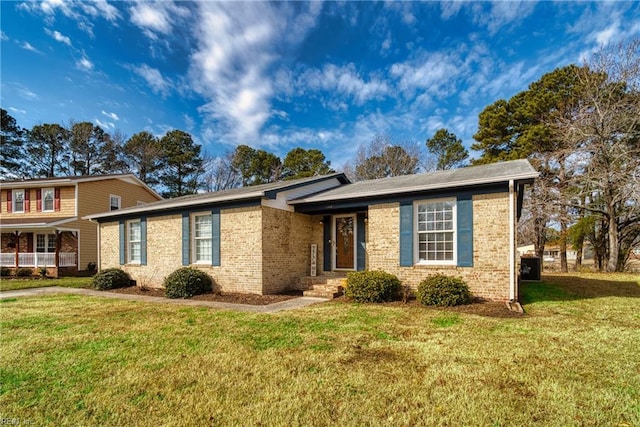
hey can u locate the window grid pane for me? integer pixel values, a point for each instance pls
(203, 239)
(18, 204)
(134, 242)
(47, 200)
(436, 231)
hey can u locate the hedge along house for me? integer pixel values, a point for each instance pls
(270, 238)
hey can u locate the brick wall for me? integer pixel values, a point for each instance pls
(286, 247)
(240, 251)
(489, 276)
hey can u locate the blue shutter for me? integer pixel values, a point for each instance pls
(121, 241)
(361, 256)
(326, 243)
(215, 237)
(185, 238)
(465, 231)
(406, 234)
(143, 240)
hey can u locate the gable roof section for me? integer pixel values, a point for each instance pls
(21, 223)
(517, 170)
(243, 194)
(71, 180)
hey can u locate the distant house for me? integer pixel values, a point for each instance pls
(41, 219)
(270, 238)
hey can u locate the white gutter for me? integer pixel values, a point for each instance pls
(512, 243)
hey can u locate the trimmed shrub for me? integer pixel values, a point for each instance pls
(186, 282)
(441, 290)
(372, 286)
(24, 272)
(111, 278)
(5, 272)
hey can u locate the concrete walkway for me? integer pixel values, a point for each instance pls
(290, 304)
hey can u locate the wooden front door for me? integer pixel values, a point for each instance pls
(344, 229)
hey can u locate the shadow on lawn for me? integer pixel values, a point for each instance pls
(569, 288)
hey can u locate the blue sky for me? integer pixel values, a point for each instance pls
(275, 76)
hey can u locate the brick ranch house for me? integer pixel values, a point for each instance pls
(270, 238)
(41, 221)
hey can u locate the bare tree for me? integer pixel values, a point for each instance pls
(219, 173)
(383, 157)
(605, 128)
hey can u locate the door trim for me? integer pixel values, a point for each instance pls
(334, 232)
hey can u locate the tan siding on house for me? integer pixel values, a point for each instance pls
(67, 204)
(489, 276)
(93, 197)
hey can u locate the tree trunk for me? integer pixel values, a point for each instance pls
(579, 246)
(614, 248)
(563, 245)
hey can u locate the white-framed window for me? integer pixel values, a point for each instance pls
(202, 242)
(436, 232)
(114, 202)
(46, 243)
(48, 196)
(134, 242)
(18, 201)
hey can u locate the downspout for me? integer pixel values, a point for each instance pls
(512, 249)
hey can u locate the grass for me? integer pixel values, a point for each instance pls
(572, 360)
(67, 282)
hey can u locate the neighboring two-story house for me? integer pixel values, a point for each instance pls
(41, 219)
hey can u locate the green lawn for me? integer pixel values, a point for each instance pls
(572, 360)
(67, 282)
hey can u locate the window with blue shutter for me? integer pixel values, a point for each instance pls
(361, 239)
(465, 231)
(185, 238)
(406, 234)
(143, 241)
(121, 242)
(215, 237)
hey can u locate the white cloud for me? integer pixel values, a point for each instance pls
(157, 17)
(101, 8)
(112, 116)
(154, 79)
(501, 13)
(57, 36)
(188, 122)
(449, 9)
(238, 44)
(26, 93)
(105, 125)
(3, 36)
(17, 110)
(84, 64)
(433, 73)
(344, 81)
(29, 47)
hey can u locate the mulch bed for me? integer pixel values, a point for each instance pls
(478, 307)
(234, 298)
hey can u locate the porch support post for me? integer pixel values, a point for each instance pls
(17, 234)
(57, 250)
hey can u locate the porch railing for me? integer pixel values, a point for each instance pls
(37, 259)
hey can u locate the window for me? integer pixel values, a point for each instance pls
(18, 201)
(436, 243)
(46, 243)
(202, 238)
(134, 242)
(114, 202)
(47, 200)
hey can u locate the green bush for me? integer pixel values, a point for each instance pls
(111, 278)
(443, 291)
(186, 282)
(372, 286)
(24, 272)
(5, 272)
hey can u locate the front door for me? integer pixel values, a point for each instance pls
(344, 238)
